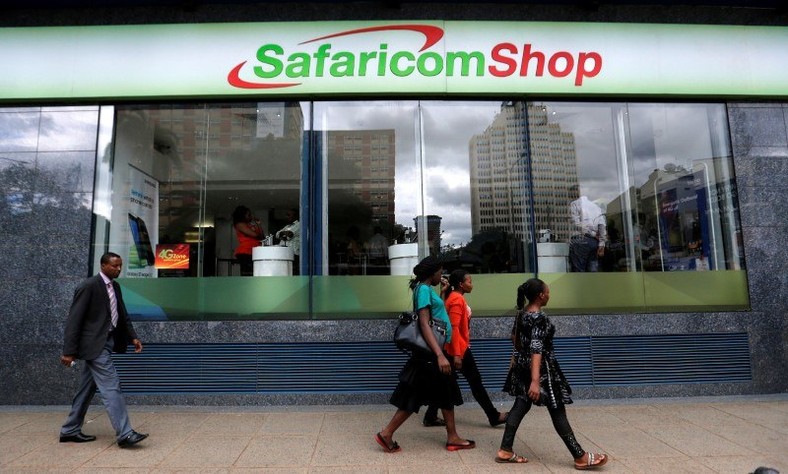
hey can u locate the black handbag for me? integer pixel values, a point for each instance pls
(408, 337)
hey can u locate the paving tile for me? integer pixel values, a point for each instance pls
(282, 451)
(631, 443)
(613, 465)
(54, 454)
(271, 470)
(43, 423)
(13, 446)
(432, 468)
(206, 452)
(656, 437)
(232, 424)
(9, 421)
(740, 464)
(643, 415)
(582, 418)
(353, 422)
(293, 423)
(350, 450)
(40, 470)
(347, 470)
(756, 438)
(532, 467)
(148, 453)
(662, 466)
(191, 470)
(113, 470)
(760, 413)
(696, 441)
(169, 423)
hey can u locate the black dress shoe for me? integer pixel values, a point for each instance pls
(131, 439)
(79, 437)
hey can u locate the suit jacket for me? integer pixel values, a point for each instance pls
(89, 321)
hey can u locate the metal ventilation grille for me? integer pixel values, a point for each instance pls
(675, 359)
(367, 367)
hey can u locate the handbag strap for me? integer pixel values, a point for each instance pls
(415, 311)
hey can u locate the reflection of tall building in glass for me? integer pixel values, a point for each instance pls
(498, 167)
(361, 162)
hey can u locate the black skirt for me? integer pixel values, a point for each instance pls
(422, 383)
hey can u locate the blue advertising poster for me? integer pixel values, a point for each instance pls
(684, 222)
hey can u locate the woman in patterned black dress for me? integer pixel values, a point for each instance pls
(536, 378)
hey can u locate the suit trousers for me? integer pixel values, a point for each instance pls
(583, 253)
(100, 374)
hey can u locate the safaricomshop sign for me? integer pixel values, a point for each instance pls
(368, 58)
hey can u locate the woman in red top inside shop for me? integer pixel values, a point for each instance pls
(459, 348)
(250, 234)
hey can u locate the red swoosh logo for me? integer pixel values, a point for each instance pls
(235, 80)
(432, 34)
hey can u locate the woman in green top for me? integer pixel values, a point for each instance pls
(427, 380)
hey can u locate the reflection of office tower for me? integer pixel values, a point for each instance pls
(554, 165)
(361, 162)
(433, 232)
(499, 185)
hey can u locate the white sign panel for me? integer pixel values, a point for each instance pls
(431, 57)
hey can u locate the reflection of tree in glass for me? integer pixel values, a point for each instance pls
(489, 251)
(32, 195)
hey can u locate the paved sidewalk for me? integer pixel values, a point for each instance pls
(692, 435)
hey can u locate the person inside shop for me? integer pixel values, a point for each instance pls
(587, 243)
(377, 248)
(250, 234)
(290, 235)
(355, 251)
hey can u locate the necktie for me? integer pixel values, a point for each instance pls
(113, 304)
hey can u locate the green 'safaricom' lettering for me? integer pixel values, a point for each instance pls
(274, 64)
(465, 62)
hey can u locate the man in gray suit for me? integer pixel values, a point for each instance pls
(97, 325)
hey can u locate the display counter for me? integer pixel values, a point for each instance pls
(552, 257)
(403, 258)
(272, 261)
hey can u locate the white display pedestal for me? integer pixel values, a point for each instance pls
(272, 261)
(552, 257)
(403, 257)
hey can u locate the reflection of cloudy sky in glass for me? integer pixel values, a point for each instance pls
(447, 128)
(658, 135)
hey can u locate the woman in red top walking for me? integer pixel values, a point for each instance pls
(250, 234)
(459, 348)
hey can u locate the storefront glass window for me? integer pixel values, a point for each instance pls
(628, 190)
(476, 181)
(366, 197)
(350, 195)
(184, 178)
